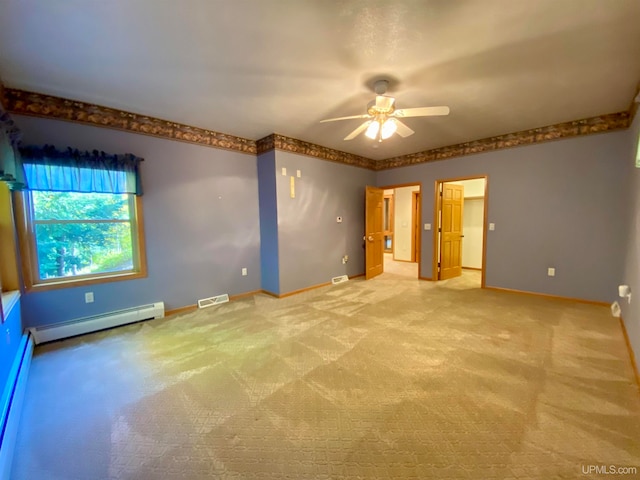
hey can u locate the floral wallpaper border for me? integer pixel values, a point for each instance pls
(288, 144)
(40, 105)
(587, 126)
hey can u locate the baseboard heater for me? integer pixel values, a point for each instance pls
(81, 326)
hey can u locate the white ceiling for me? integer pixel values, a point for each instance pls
(255, 67)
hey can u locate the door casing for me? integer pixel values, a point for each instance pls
(436, 224)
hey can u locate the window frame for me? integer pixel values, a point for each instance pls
(30, 267)
(9, 278)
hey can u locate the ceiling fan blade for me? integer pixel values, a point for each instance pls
(358, 130)
(421, 112)
(402, 129)
(384, 103)
(345, 118)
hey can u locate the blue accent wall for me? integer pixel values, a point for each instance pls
(268, 222)
(11, 338)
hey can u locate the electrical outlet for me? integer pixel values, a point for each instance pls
(244, 272)
(88, 297)
(345, 259)
(551, 272)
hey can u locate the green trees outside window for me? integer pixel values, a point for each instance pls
(82, 233)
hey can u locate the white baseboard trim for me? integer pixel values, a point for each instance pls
(12, 410)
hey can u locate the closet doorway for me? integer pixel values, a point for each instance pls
(460, 231)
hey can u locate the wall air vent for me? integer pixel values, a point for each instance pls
(340, 279)
(211, 301)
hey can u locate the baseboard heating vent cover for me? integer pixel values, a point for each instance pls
(48, 333)
(340, 279)
(211, 301)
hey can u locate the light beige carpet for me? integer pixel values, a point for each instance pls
(408, 269)
(388, 378)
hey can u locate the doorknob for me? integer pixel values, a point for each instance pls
(370, 238)
(364, 238)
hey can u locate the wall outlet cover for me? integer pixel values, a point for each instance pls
(615, 309)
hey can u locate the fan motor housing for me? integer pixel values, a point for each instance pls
(374, 110)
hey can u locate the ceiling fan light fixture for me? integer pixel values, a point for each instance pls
(372, 130)
(388, 128)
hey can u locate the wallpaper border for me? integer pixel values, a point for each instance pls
(293, 145)
(576, 128)
(39, 105)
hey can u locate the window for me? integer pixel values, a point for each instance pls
(79, 217)
(81, 237)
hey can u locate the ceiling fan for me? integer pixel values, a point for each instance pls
(383, 116)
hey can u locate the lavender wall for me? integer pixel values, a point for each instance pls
(200, 216)
(311, 242)
(558, 204)
(631, 312)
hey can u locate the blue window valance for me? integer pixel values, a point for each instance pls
(71, 170)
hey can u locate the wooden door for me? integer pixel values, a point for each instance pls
(452, 202)
(374, 233)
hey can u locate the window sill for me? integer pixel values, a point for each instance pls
(80, 282)
(9, 299)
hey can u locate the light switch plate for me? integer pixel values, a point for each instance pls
(284, 171)
(492, 226)
(298, 173)
(427, 226)
(551, 272)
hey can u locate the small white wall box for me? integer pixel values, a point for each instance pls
(625, 292)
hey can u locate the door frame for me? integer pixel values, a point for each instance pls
(436, 223)
(412, 184)
(416, 208)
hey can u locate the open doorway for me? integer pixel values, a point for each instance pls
(401, 220)
(459, 242)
